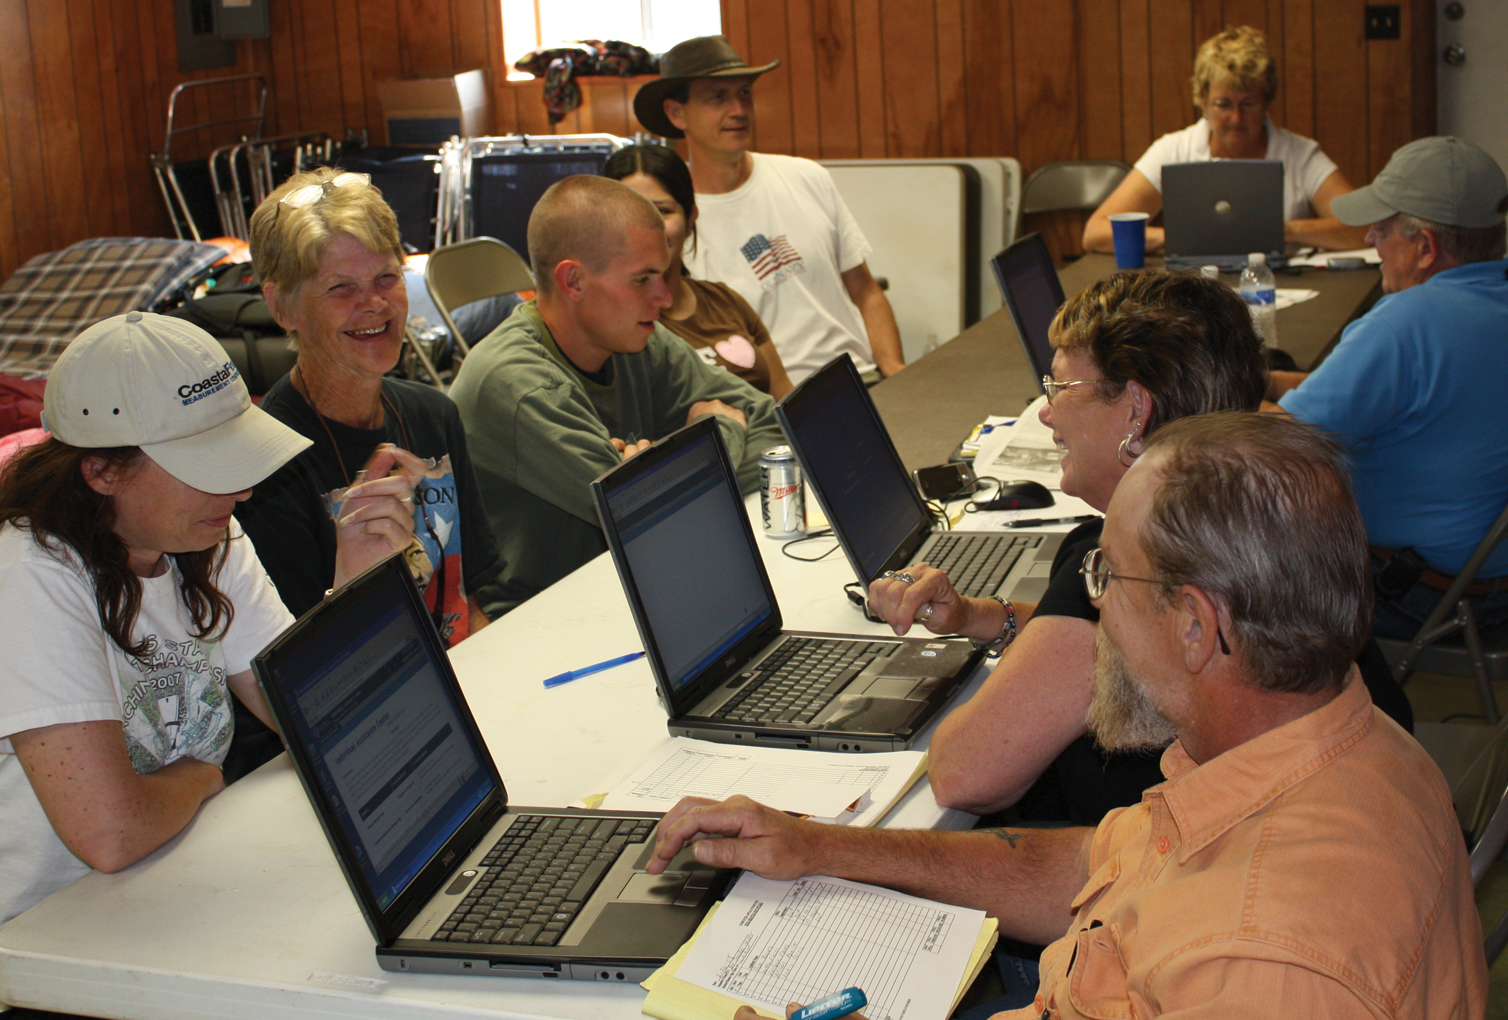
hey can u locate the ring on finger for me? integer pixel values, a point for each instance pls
(906, 577)
(927, 612)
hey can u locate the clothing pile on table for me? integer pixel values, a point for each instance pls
(561, 65)
(55, 295)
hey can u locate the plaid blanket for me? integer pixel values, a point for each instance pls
(53, 297)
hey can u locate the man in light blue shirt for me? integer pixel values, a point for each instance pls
(1415, 388)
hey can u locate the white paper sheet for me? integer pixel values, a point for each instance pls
(777, 942)
(1289, 296)
(683, 767)
(1022, 452)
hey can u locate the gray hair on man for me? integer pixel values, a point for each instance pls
(1258, 512)
(1463, 245)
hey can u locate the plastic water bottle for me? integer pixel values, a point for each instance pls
(1260, 292)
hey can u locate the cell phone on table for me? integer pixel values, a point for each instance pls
(945, 481)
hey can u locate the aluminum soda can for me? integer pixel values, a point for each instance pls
(780, 495)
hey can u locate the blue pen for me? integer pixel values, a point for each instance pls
(576, 674)
(849, 1000)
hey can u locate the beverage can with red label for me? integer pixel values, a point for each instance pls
(780, 496)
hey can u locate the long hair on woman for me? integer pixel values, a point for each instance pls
(43, 490)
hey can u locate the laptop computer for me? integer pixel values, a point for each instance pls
(1032, 294)
(881, 522)
(726, 669)
(450, 877)
(1218, 212)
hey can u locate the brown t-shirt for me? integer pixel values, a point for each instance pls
(726, 331)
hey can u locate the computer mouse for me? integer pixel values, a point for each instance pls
(1018, 496)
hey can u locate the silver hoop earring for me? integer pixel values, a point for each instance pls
(1125, 447)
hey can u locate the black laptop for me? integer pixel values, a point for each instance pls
(850, 463)
(450, 877)
(1032, 293)
(1218, 212)
(712, 630)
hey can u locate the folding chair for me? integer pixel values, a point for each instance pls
(1474, 760)
(483, 267)
(1469, 652)
(1081, 184)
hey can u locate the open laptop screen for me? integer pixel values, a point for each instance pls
(683, 532)
(1031, 291)
(385, 740)
(851, 462)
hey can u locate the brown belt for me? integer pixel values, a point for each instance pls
(1441, 582)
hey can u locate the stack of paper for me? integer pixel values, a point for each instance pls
(1025, 451)
(823, 785)
(772, 943)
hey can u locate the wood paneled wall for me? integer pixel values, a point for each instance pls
(84, 85)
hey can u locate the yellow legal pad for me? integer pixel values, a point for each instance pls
(670, 998)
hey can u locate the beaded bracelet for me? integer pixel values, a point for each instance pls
(992, 649)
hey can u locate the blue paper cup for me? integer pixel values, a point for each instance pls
(1130, 232)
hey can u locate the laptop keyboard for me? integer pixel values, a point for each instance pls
(537, 877)
(977, 563)
(802, 675)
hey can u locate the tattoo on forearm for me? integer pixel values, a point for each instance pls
(1009, 837)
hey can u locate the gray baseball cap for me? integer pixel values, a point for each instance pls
(1441, 179)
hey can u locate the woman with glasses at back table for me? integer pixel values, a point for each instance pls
(1235, 81)
(1133, 352)
(326, 249)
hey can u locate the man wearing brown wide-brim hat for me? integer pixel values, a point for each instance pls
(771, 227)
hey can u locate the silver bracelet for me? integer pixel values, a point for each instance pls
(992, 649)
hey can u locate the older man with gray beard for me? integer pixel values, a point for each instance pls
(1302, 857)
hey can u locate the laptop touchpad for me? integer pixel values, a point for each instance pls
(653, 888)
(887, 687)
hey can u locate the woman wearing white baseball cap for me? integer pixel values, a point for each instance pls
(130, 603)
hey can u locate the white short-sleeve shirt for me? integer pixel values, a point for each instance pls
(783, 240)
(1305, 165)
(59, 666)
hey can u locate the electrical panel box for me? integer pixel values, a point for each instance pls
(242, 19)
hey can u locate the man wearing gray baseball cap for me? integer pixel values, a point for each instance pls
(1414, 387)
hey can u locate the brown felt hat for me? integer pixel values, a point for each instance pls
(707, 56)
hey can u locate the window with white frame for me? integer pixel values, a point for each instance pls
(656, 25)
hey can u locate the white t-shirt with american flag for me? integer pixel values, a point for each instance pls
(783, 241)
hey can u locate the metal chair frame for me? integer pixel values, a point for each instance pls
(162, 162)
(1046, 191)
(472, 270)
(453, 217)
(1452, 614)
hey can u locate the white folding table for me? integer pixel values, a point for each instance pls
(246, 913)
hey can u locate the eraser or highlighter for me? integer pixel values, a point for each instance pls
(849, 1000)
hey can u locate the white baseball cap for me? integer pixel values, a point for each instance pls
(165, 385)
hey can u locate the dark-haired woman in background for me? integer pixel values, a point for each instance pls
(711, 317)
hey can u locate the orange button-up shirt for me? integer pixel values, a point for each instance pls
(1315, 871)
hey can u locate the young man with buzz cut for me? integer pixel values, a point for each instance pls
(773, 228)
(584, 377)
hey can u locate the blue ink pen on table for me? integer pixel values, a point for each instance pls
(577, 674)
(849, 1000)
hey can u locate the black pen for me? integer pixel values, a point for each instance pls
(1038, 522)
